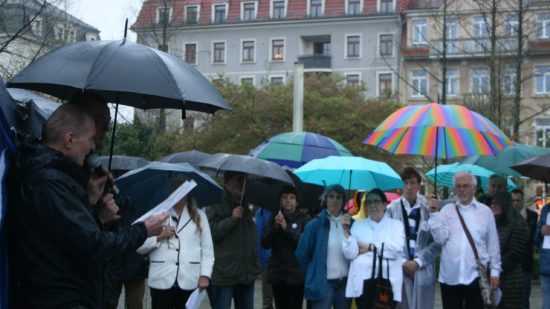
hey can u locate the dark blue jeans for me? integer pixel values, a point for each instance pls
(242, 295)
(336, 296)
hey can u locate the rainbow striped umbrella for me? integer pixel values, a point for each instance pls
(294, 149)
(436, 130)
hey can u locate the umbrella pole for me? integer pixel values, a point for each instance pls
(435, 159)
(243, 191)
(113, 136)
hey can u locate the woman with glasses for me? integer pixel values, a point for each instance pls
(367, 235)
(320, 255)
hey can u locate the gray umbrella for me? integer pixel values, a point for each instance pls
(121, 72)
(222, 162)
(193, 157)
(537, 168)
(124, 163)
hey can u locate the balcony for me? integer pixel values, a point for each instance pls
(473, 47)
(316, 61)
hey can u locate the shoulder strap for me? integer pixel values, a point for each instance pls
(407, 228)
(380, 261)
(468, 235)
(373, 262)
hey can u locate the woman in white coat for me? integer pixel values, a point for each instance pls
(370, 233)
(181, 257)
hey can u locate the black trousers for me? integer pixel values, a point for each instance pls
(288, 296)
(462, 296)
(169, 299)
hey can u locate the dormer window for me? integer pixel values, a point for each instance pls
(163, 15)
(220, 13)
(248, 11)
(192, 14)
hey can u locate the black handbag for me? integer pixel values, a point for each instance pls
(377, 291)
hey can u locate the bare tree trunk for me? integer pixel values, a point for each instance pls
(516, 106)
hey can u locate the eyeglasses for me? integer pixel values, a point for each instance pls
(463, 187)
(334, 196)
(373, 202)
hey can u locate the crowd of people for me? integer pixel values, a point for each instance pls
(65, 244)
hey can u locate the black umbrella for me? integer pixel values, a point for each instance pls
(222, 162)
(537, 168)
(193, 157)
(123, 163)
(121, 72)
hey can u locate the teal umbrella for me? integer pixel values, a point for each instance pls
(446, 172)
(353, 173)
(509, 156)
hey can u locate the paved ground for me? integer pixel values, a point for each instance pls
(536, 298)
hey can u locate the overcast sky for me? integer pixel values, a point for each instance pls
(106, 15)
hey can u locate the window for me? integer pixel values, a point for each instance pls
(248, 51)
(509, 82)
(384, 84)
(220, 13)
(277, 50)
(191, 53)
(163, 15)
(247, 81)
(452, 35)
(219, 52)
(452, 82)
(543, 26)
(353, 80)
(386, 6)
(419, 83)
(277, 80)
(315, 8)
(321, 48)
(386, 45)
(480, 32)
(353, 46)
(511, 25)
(542, 135)
(420, 31)
(191, 15)
(480, 81)
(542, 80)
(278, 9)
(354, 7)
(37, 26)
(248, 10)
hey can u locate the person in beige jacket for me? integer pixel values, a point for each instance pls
(181, 258)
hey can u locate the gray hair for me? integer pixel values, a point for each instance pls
(462, 174)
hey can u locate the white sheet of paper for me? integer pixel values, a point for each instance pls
(168, 203)
(546, 239)
(195, 300)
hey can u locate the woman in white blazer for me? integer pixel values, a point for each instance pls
(181, 257)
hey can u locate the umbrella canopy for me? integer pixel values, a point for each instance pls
(121, 72)
(124, 163)
(193, 157)
(353, 173)
(436, 130)
(222, 162)
(537, 168)
(294, 149)
(446, 172)
(509, 156)
(265, 194)
(152, 183)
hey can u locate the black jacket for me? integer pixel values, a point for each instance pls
(57, 249)
(283, 266)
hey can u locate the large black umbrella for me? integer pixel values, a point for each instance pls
(123, 163)
(122, 72)
(193, 157)
(537, 168)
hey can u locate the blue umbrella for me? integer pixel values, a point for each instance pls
(353, 173)
(151, 184)
(446, 172)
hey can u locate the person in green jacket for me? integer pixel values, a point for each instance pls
(236, 265)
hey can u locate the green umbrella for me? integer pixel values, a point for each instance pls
(509, 156)
(446, 172)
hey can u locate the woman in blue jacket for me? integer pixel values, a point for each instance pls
(320, 254)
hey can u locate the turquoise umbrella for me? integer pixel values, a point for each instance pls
(509, 156)
(294, 149)
(353, 173)
(446, 172)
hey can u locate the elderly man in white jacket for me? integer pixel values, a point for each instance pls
(367, 234)
(181, 257)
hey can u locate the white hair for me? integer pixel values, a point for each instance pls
(462, 174)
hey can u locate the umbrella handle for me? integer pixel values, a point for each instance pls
(243, 191)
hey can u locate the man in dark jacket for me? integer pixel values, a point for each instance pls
(56, 245)
(234, 234)
(281, 235)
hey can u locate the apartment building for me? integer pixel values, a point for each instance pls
(470, 55)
